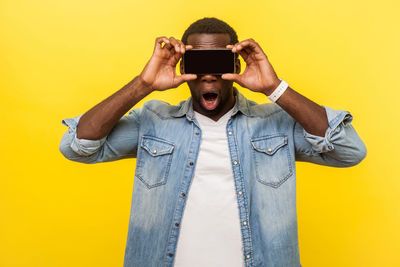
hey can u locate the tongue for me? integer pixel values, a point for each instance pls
(210, 101)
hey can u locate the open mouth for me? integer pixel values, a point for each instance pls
(210, 100)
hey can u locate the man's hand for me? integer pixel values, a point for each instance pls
(159, 73)
(259, 76)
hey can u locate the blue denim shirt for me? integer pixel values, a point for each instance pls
(264, 143)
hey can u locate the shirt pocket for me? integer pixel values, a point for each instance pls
(154, 161)
(272, 159)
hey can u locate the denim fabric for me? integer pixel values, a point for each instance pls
(264, 143)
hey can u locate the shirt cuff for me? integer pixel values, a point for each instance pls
(84, 147)
(335, 118)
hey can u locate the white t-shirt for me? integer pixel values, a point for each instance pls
(210, 229)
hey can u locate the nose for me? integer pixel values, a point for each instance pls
(208, 78)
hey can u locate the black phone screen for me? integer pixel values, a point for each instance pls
(208, 61)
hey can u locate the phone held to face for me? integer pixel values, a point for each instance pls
(208, 61)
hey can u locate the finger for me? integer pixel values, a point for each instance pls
(173, 43)
(177, 57)
(183, 78)
(168, 46)
(176, 44)
(243, 53)
(182, 45)
(248, 50)
(188, 47)
(240, 45)
(249, 43)
(231, 77)
(160, 40)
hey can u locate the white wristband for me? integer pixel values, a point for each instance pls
(278, 91)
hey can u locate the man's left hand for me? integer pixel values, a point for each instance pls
(259, 76)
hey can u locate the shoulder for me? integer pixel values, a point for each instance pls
(255, 110)
(266, 118)
(162, 109)
(265, 110)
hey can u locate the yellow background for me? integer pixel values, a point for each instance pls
(60, 58)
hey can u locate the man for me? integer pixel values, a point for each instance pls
(237, 157)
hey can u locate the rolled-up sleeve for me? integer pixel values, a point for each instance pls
(120, 143)
(341, 146)
(83, 147)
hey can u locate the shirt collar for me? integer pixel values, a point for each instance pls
(186, 107)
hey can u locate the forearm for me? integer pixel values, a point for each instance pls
(309, 114)
(99, 120)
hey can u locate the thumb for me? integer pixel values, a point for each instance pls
(231, 77)
(184, 77)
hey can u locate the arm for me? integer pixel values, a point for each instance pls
(99, 120)
(101, 134)
(321, 129)
(340, 146)
(308, 113)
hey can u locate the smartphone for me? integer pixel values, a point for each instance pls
(208, 61)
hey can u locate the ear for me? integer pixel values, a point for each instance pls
(237, 65)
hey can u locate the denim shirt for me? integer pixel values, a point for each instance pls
(264, 143)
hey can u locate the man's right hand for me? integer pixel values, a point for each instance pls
(159, 73)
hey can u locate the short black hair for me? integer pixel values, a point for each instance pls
(211, 25)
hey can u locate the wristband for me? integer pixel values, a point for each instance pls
(278, 91)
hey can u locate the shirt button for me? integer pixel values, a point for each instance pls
(245, 223)
(176, 224)
(235, 162)
(170, 254)
(191, 163)
(154, 151)
(197, 133)
(240, 192)
(269, 149)
(230, 133)
(248, 256)
(183, 194)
